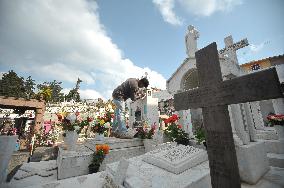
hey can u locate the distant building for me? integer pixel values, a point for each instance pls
(263, 63)
(273, 105)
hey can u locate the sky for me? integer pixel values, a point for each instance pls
(104, 42)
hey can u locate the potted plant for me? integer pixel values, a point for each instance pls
(72, 125)
(101, 151)
(277, 121)
(147, 135)
(174, 131)
(8, 139)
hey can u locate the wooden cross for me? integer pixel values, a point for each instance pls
(214, 96)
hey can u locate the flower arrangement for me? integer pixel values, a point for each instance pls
(275, 119)
(7, 128)
(102, 123)
(101, 151)
(72, 122)
(175, 132)
(145, 133)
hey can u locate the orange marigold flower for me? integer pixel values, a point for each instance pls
(105, 148)
(99, 147)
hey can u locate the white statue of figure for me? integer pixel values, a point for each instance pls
(191, 41)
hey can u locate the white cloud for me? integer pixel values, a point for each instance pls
(256, 47)
(208, 7)
(57, 40)
(90, 94)
(166, 8)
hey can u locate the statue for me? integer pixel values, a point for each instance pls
(191, 41)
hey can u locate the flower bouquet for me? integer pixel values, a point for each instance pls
(101, 151)
(174, 131)
(275, 119)
(72, 124)
(102, 123)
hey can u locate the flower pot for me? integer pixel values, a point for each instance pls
(7, 146)
(280, 132)
(99, 137)
(70, 140)
(149, 144)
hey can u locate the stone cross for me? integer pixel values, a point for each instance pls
(231, 48)
(214, 96)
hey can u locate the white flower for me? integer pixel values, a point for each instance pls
(76, 128)
(107, 125)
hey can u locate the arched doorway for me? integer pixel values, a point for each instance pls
(190, 81)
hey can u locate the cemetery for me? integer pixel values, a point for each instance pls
(209, 128)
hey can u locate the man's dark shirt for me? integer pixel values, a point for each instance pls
(126, 90)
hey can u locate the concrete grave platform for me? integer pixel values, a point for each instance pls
(142, 174)
(176, 159)
(114, 143)
(75, 163)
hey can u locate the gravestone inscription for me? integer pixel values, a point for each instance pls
(214, 96)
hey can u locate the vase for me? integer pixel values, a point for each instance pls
(7, 146)
(280, 132)
(149, 145)
(99, 137)
(70, 140)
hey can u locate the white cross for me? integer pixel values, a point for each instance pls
(230, 48)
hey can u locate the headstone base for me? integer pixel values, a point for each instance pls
(268, 133)
(141, 174)
(252, 161)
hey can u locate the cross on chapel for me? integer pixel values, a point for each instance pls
(231, 48)
(214, 96)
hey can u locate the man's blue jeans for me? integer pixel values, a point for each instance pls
(119, 116)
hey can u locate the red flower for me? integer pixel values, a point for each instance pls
(59, 116)
(171, 119)
(89, 119)
(179, 126)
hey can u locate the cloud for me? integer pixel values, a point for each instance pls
(57, 40)
(195, 7)
(256, 47)
(90, 94)
(166, 8)
(208, 7)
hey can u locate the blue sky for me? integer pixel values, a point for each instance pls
(106, 41)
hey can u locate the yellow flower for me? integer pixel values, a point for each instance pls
(102, 122)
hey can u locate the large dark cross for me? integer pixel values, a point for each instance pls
(214, 96)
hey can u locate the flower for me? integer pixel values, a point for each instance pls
(72, 123)
(175, 132)
(171, 119)
(102, 123)
(276, 119)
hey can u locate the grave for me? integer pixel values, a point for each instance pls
(140, 171)
(223, 162)
(75, 163)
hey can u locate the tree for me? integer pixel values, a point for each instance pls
(29, 87)
(12, 85)
(74, 93)
(55, 87)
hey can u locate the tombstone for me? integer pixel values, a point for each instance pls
(221, 150)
